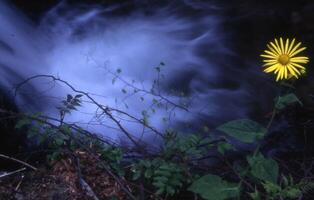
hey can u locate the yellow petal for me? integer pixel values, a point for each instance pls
(270, 69)
(268, 56)
(272, 49)
(297, 51)
(275, 48)
(282, 71)
(297, 65)
(291, 70)
(300, 58)
(294, 49)
(281, 46)
(286, 72)
(277, 44)
(278, 77)
(278, 67)
(271, 53)
(270, 63)
(270, 60)
(278, 72)
(299, 61)
(291, 45)
(287, 46)
(295, 70)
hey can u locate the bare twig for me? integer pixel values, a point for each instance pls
(143, 90)
(19, 184)
(13, 172)
(105, 109)
(18, 161)
(83, 183)
(88, 189)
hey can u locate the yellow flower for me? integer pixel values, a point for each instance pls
(280, 58)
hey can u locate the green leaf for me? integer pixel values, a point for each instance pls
(255, 195)
(160, 191)
(292, 193)
(148, 173)
(286, 100)
(65, 129)
(59, 141)
(78, 96)
(212, 187)
(170, 190)
(23, 122)
(263, 169)
(69, 97)
(136, 175)
(272, 189)
(245, 130)
(223, 147)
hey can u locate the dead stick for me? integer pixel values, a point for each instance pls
(10, 173)
(18, 161)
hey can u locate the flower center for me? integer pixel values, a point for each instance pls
(284, 59)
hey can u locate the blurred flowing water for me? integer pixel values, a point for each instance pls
(84, 44)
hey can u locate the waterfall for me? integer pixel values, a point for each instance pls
(86, 45)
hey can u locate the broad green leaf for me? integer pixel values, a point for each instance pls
(212, 187)
(263, 169)
(286, 100)
(245, 130)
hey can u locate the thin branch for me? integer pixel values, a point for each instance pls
(107, 110)
(13, 172)
(18, 161)
(84, 185)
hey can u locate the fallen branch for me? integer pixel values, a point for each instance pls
(13, 172)
(18, 161)
(84, 185)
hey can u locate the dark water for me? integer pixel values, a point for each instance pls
(210, 50)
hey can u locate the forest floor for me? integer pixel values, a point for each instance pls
(61, 181)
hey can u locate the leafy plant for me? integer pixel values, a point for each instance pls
(289, 190)
(186, 147)
(113, 156)
(212, 187)
(166, 177)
